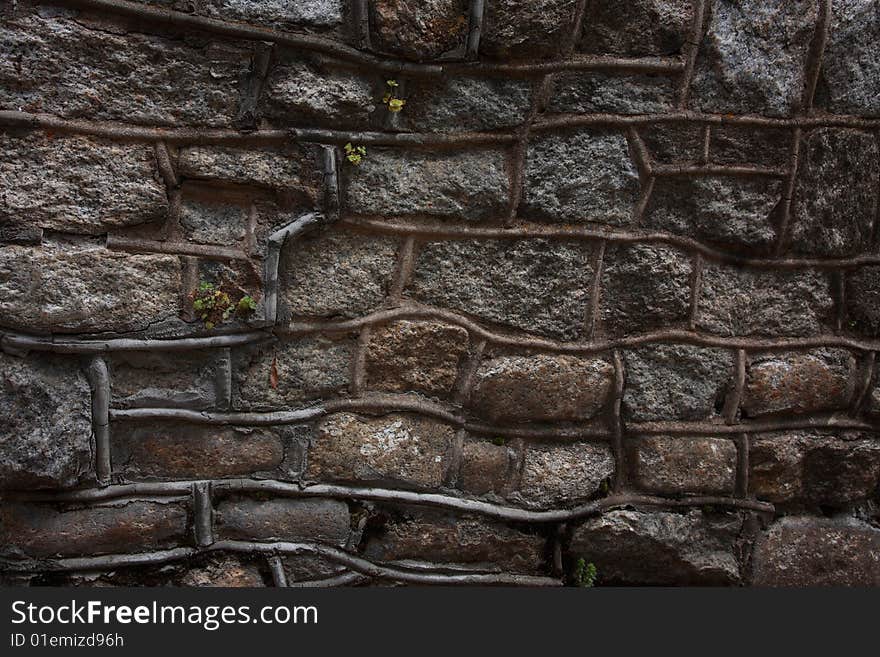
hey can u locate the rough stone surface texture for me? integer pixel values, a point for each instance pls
(603, 285)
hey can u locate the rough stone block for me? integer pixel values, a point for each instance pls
(814, 468)
(460, 104)
(283, 374)
(835, 199)
(77, 184)
(675, 382)
(391, 449)
(50, 63)
(862, 294)
(163, 450)
(296, 169)
(737, 301)
(542, 387)
(531, 284)
(672, 465)
(644, 287)
(742, 145)
(89, 290)
(335, 274)
(156, 379)
(283, 519)
(287, 14)
(753, 57)
(595, 92)
(637, 28)
(45, 423)
(471, 185)
(526, 29)
(802, 551)
(38, 530)
(442, 538)
(674, 143)
(301, 92)
(212, 219)
(411, 356)
(486, 467)
(419, 29)
(799, 382)
(661, 547)
(732, 211)
(556, 476)
(581, 176)
(225, 572)
(850, 77)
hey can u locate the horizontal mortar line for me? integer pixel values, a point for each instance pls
(550, 122)
(138, 245)
(245, 31)
(544, 344)
(336, 555)
(718, 170)
(339, 491)
(343, 579)
(61, 344)
(531, 229)
(130, 132)
(751, 426)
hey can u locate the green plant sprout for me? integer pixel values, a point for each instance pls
(390, 99)
(585, 574)
(214, 306)
(354, 154)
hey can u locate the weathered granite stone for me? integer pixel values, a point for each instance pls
(541, 388)
(446, 538)
(166, 380)
(814, 468)
(532, 284)
(799, 382)
(850, 68)
(663, 464)
(410, 356)
(802, 551)
(41, 530)
(224, 572)
(469, 185)
(753, 57)
(86, 291)
(674, 143)
(637, 28)
(485, 467)
(294, 167)
(748, 144)
(49, 63)
(728, 210)
(77, 184)
(164, 450)
(460, 103)
(285, 373)
(312, 14)
(835, 200)
(736, 301)
(862, 294)
(580, 176)
(336, 274)
(661, 547)
(675, 382)
(283, 519)
(394, 449)
(419, 29)
(555, 476)
(644, 287)
(302, 93)
(588, 91)
(45, 423)
(525, 28)
(207, 222)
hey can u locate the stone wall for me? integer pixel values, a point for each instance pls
(606, 288)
